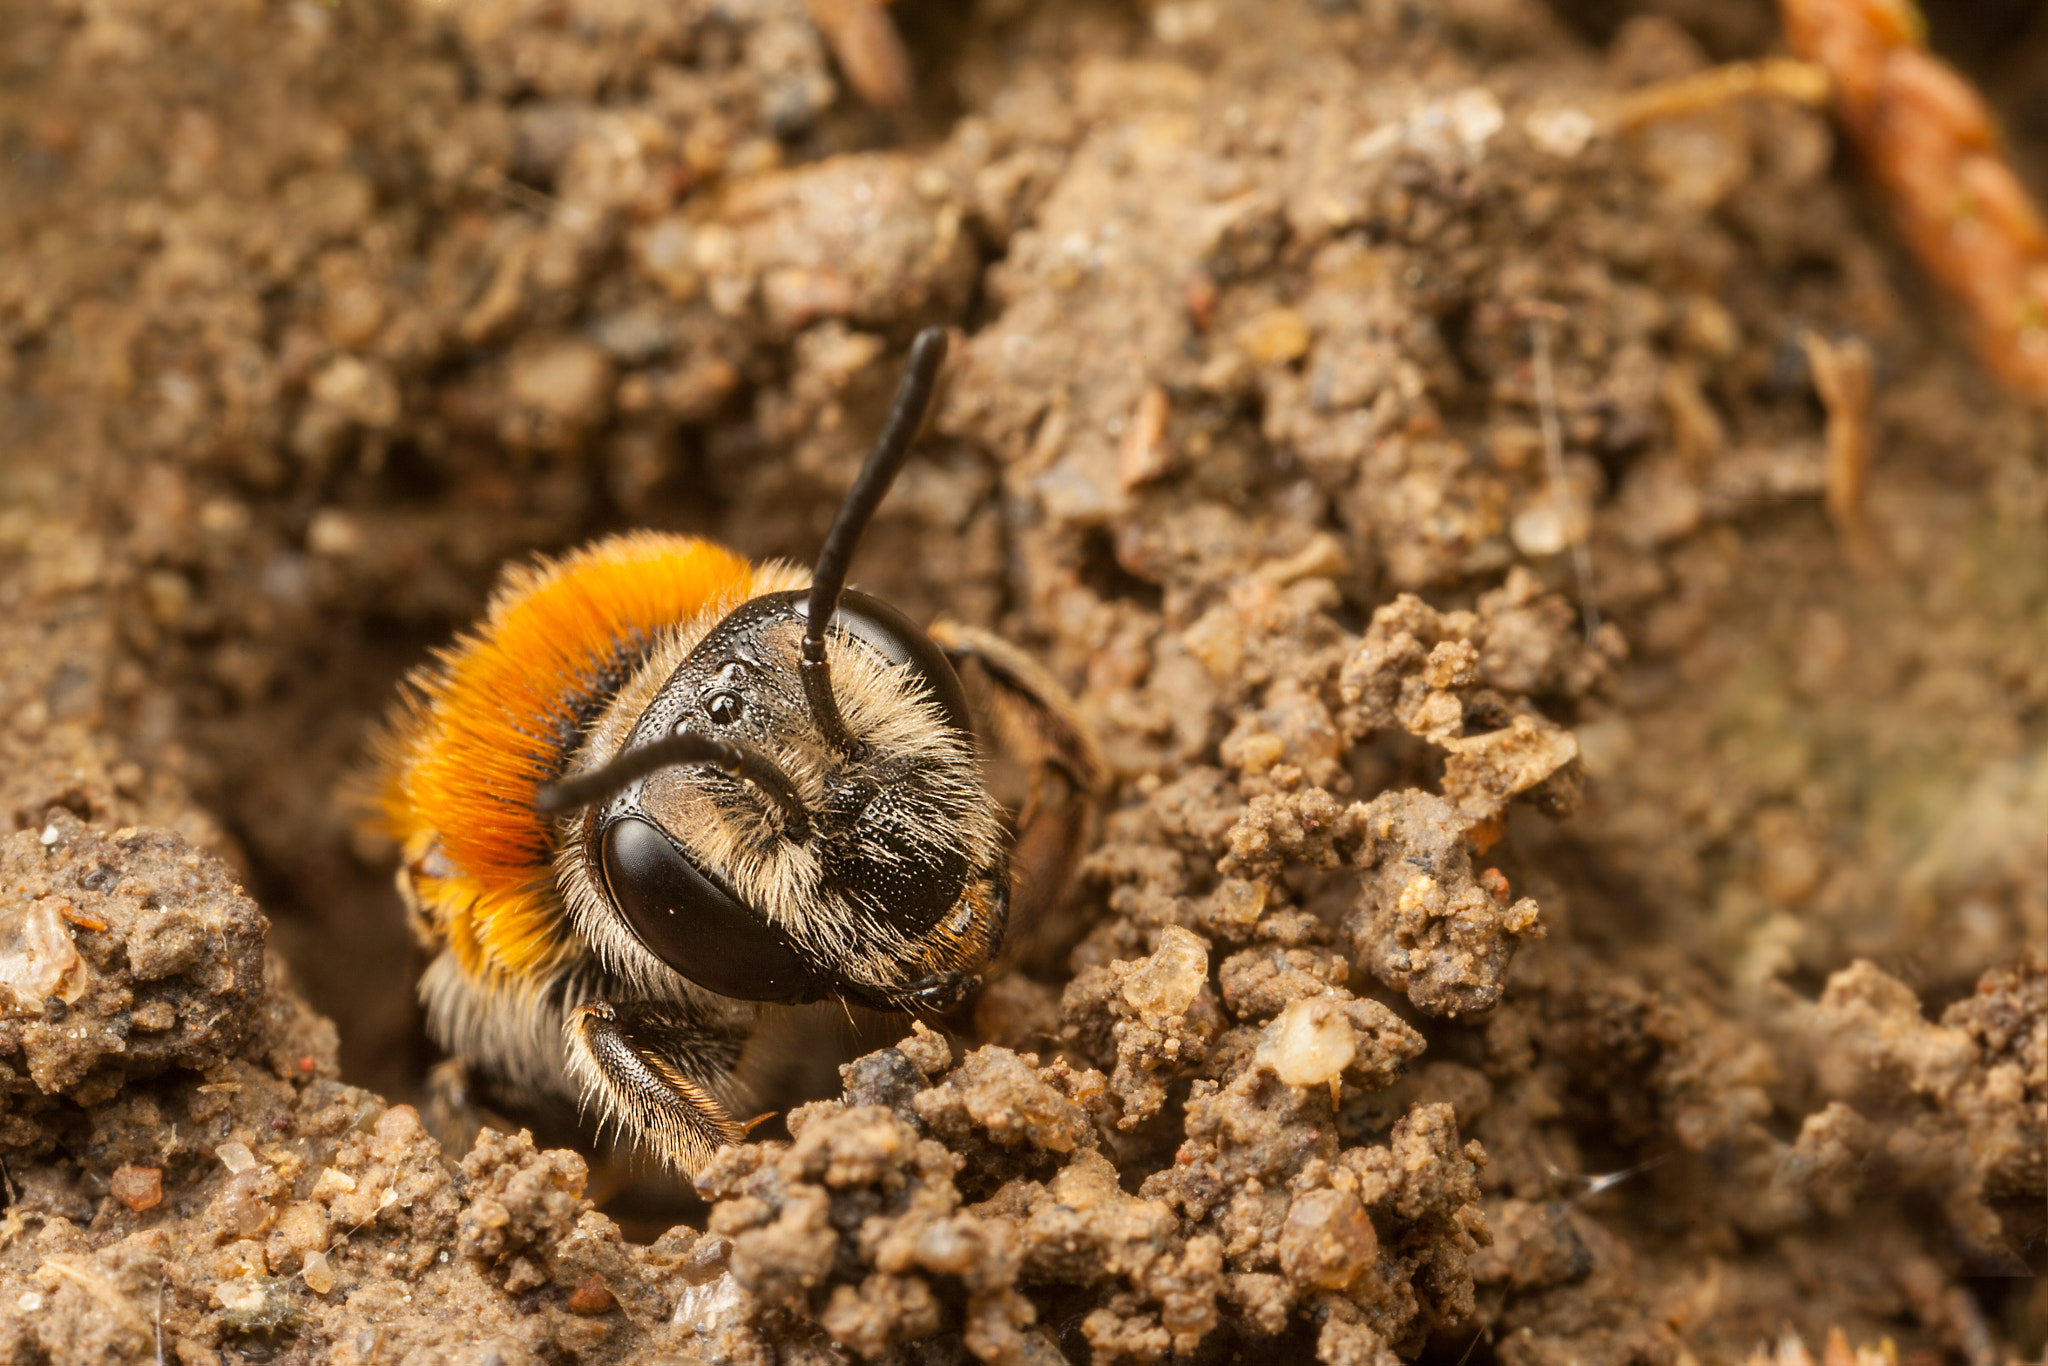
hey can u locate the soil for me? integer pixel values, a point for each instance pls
(1580, 910)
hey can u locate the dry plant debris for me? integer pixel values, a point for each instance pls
(1842, 376)
(1934, 144)
(1805, 82)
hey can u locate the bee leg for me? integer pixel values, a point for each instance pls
(1039, 724)
(651, 1076)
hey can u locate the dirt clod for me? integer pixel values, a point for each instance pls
(1549, 901)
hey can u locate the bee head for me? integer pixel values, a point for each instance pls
(799, 811)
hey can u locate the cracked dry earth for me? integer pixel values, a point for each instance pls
(1476, 961)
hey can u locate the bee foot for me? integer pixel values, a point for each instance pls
(645, 1090)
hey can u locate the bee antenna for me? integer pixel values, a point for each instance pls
(828, 580)
(683, 747)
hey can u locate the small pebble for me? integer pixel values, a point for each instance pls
(590, 1298)
(317, 1274)
(1562, 133)
(1275, 337)
(243, 1206)
(332, 1182)
(333, 532)
(1166, 984)
(1327, 1240)
(1310, 1043)
(568, 380)
(1538, 530)
(243, 1295)
(139, 1188)
(236, 1157)
(37, 957)
(1237, 902)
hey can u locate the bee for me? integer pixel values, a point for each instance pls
(660, 793)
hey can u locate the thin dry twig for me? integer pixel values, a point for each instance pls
(537, 202)
(1842, 377)
(864, 40)
(1145, 456)
(1803, 82)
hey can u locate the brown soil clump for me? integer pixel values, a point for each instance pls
(1555, 900)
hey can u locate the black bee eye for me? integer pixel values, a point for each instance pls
(901, 641)
(692, 923)
(725, 707)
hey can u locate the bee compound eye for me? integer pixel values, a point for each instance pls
(902, 641)
(690, 922)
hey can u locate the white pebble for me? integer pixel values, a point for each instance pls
(1310, 1043)
(332, 1182)
(1474, 115)
(317, 1274)
(37, 957)
(1562, 133)
(243, 1295)
(1166, 984)
(1538, 531)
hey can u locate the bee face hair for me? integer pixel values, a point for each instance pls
(874, 887)
(661, 792)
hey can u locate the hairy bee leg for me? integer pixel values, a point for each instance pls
(1039, 723)
(651, 1077)
(1052, 834)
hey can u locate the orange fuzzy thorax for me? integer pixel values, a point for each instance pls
(502, 714)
